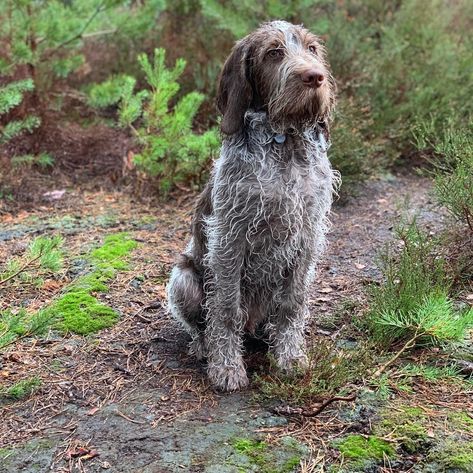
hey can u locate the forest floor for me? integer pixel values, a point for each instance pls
(130, 399)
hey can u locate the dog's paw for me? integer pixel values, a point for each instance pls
(197, 348)
(293, 364)
(228, 378)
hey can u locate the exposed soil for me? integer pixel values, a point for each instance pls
(130, 398)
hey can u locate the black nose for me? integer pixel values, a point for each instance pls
(312, 78)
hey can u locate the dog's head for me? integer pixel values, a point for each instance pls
(279, 68)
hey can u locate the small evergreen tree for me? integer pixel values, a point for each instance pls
(412, 304)
(10, 97)
(42, 40)
(170, 150)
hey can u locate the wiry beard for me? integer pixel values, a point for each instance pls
(298, 108)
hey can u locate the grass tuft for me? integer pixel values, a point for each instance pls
(20, 390)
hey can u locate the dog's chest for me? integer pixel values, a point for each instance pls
(289, 189)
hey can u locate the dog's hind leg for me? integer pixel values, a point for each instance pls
(185, 300)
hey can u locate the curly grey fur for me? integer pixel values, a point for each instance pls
(258, 231)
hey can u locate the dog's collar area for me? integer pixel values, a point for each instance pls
(280, 138)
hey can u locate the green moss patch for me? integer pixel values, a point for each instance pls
(78, 310)
(461, 421)
(359, 448)
(405, 424)
(256, 455)
(453, 456)
(82, 313)
(249, 446)
(113, 252)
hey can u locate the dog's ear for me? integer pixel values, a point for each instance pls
(234, 91)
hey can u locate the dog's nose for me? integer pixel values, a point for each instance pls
(312, 78)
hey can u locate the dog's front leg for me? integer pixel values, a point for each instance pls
(225, 319)
(288, 319)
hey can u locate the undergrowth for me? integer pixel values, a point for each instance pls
(42, 257)
(11, 97)
(332, 371)
(170, 151)
(413, 302)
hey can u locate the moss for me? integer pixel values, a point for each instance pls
(461, 420)
(6, 452)
(93, 282)
(291, 464)
(112, 252)
(258, 454)
(406, 425)
(21, 390)
(453, 455)
(357, 447)
(82, 313)
(78, 310)
(248, 445)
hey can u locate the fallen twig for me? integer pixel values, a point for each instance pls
(26, 265)
(129, 418)
(288, 410)
(409, 344)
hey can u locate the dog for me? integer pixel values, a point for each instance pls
(259, 225)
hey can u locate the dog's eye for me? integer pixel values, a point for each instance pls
(312, 49)
(275, 53)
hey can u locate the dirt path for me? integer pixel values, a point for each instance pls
(130, 399)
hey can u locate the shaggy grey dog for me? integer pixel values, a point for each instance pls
(259, 225)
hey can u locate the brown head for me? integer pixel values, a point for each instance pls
(279, 68)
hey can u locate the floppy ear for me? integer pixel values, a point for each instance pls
(234, 91)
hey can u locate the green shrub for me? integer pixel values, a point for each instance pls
(350, 153)
(43, 41)
(43, 160)
(418, 69)
(170, 151)
(413, 301)
(453, 171)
